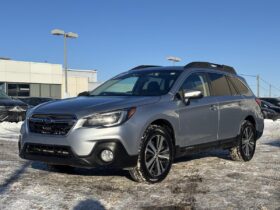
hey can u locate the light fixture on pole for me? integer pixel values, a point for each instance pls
(173, 59)
(59, 32)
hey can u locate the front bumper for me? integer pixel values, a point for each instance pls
(83, 145)
(63, 155)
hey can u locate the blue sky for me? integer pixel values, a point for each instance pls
(117, 35)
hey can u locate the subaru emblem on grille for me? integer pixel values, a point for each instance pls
(48, 120)
(51, 124)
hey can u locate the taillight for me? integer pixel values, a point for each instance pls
(259, 102)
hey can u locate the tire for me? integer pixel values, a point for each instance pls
(246, 143)
(155, 157)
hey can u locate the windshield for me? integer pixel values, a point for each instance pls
(3, 95)
(139, 83)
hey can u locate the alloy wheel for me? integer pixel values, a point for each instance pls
(157, 155)
(248, 141)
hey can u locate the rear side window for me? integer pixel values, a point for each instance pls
(233, 89)
(219, 84)
(196, 81)
(240, 86)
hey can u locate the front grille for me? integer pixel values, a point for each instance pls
(51, 124)
(48, 150)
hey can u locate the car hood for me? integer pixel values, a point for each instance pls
(83, 106)
(11, 102)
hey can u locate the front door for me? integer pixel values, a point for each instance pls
(199, 118)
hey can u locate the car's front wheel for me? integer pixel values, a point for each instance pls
(246, 143)
(155, 155)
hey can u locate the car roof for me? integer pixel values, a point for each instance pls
(192, 65)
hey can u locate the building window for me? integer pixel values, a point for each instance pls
(21, 90)
(24, 90)
(12, 89)
(33, 90)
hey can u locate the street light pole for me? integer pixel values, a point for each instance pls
(59, 32)
(65, 65)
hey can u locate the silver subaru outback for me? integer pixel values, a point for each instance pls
(142, 119)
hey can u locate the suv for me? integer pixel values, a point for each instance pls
(142, 119)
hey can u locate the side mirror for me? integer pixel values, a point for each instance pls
(85, 93)
(191, 94)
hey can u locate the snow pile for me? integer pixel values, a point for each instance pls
(271, 130)
(10, 131)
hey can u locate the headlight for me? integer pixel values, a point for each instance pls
(109, 118)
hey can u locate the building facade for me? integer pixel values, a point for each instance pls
(32, 79)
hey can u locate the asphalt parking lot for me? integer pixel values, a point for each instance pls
(204, 181)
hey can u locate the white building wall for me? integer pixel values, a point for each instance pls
(90, 74)
(30, 72)
(78, 75)
(93, 85)
(45, 73)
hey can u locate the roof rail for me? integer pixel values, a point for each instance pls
(143, 66)
(219, 67)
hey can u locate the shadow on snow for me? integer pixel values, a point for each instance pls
(13, 177)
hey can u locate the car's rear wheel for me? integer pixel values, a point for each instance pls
(155, 155)
(246, 143)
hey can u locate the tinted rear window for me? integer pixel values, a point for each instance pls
(240, 86)
(233, 89)
(219, 85)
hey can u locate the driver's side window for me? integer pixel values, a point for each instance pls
(196, 81)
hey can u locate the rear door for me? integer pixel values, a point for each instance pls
(229, 101)
(198, 119)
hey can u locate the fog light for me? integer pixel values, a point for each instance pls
(107, 155)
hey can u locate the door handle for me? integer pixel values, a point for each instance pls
(214, 107)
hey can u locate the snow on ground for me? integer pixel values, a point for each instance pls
(271, 129)
(9, 131)
(203, 181)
